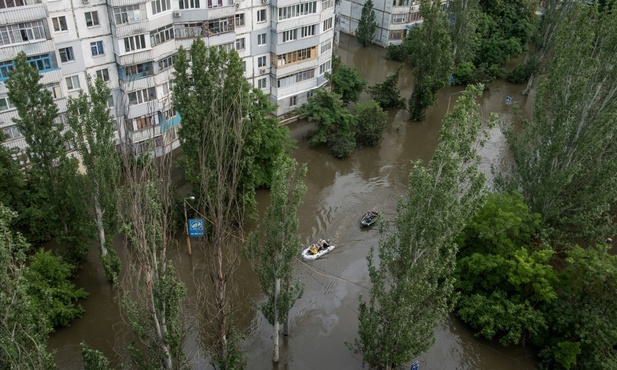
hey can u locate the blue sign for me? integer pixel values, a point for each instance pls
(451, 80)
(196, 227)
(508, 100)
(415, 366)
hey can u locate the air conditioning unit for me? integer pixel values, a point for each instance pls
(85, 1)
(237, 5)
(177, 14)
(265, 1)
(263, 71)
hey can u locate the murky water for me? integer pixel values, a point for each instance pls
(339, 192)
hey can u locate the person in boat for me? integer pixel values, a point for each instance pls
(323, 244)
(314, 249)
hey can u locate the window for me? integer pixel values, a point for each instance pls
(262, 83)
(135, 43)
(143, 122)
(160, 6)
(296, 77)
(5, 104)
(161, 35)
(60, 24)
(142, 96)
(92, 19)
(40, 62)
(138, 70)
(166, 63)
(401, 2)
(22, 32)
(12, 3)
(12, 131)
(110, 101)
(240, 44)
(261, 16)
(239, 20)
(397, 35)
(55, 90)
(66, 55)
(296, 56)
(290, 35)
(325, 4)
(189, 4)
(307, 31)
(261, 62)
(297, 10)
(325, 67)
(97, 48)
(293, 101)
(215, 3)
(167, 88)
(72, 82)
(261, 39)
(126, 14)
(399, 18)
(326, 46)
(415, 17)
(310, 94)
(103, 74)
(327, 24)
(220, 25)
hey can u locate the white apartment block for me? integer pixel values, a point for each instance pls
(286, 46)
(394, 18)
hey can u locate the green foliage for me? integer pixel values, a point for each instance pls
(412, 283)
(431, 55)
(13, 189)
(464, 73)
(387, 93)
(397, 53)
(582, 322)
(93, 359)
(523, 71)
(371, 122)
(463, 29)
(367, 25)
(345, 81)
(51, 288)
(335, 125)
(565, 160)
(92, 134)
(24, 325)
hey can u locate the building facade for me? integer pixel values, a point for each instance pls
(394, 18)
(286, 47)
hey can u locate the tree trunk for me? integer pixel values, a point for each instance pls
(275, 335)
(99, 224)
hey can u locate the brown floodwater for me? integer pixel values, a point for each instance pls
(339, 192)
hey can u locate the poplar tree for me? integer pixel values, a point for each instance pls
(565, 160)
(273, 248)
(463, 23)
(430, 50)
(412, 280)
(92, 134)
(24, 326)
(365, 33)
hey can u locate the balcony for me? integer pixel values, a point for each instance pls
(135, 57)
(115, 3)
(22, 14)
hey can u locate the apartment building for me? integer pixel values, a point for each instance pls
(286, 46)
(394, 18)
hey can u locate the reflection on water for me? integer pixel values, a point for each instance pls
(339, 192)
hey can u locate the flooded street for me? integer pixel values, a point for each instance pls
(339, 192)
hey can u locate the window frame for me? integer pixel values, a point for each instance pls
(69, 54)
(259, 39)
(97, 49)
(58, 23)
(72, 86)
(94, 19)
(103, 74)
(262, 16)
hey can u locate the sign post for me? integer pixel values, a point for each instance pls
(196, 227)
(415, 365)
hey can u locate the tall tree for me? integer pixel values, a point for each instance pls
(13, 191)
(371, 123)
(273, 249)
(24, 326)
(431, 56)
(412, 282)
(565, 161)
(387, 93)
(57, 207)
(220, 121)
(367, 25)
(463, 20)
(92, 134)
(151, 294)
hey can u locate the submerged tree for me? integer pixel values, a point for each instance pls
(565, 160)
(371, 122)
(367, 25)
(412, 281)
(431, 56)
(24, 326)
(387, 93)
(151, 294)
(346, 81)
(92, 134)
(273, 254)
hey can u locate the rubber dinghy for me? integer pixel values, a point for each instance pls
(369, 218)
(307, 255)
